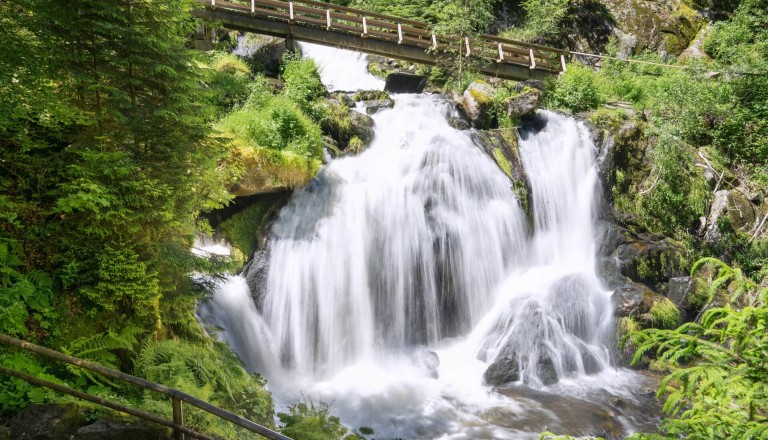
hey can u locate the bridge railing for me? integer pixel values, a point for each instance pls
(366, 24)
(177, 397)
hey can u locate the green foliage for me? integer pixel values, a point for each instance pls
(307, 421)
(229, 80)
(101, 348)
(576, 90)
(541, 19)
(664, 314)
(717, 386)
(15, 394)
(301, 80)
(276, 123)
(25, 298)
(210, 372)
(241, 228)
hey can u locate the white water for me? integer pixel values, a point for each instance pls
(416, 248)
(342, 69)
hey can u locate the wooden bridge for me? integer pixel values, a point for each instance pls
(385, 35)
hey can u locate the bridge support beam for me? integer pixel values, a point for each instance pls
(391, 49)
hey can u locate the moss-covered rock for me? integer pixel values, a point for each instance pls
(47, 421)
(522, 103)
(477, 102)
(502, 146)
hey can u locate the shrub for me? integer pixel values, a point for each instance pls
(716, 388)
(307, 421)
(575, 91)
(302, 84)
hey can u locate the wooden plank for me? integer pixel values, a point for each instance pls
(391, 18)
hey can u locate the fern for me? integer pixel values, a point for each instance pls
(100, 349)
(718, 384)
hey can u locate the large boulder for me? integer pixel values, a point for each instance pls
(478, 104)
(645, 306)
(398, 82)
(651, 260)
(47, 421)
(265, 51)
(523, 103)
(106, 429)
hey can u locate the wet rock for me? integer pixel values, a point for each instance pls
(502, 146)
(477, 103)
(503, 370)
(630, 300)
(116, 430)
(373, 107)
(362, 126)
(47, 421)
(523, 103)
(399, 82)
(427, 360)
(546, 371)
(458, 123)
(370, 95)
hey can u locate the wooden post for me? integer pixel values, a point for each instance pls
(365, 28)
(533, 60)
(562, 62)
(466, 42)
(253, 6)
(399, 33)
(328, 19)
(501, 53)
(178, 418)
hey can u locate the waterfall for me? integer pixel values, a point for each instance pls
(402, 281)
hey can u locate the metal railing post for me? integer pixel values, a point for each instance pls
(501, 53)
(533, 60)
(365, 28)
(328, 19)
(290, 11)
(562, 62)
(434, 41)
(466, 42)
(253, 6)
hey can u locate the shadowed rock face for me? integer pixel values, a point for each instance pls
(405, 83)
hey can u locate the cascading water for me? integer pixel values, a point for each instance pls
(399, 275)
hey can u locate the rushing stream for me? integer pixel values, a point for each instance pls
(398, 276)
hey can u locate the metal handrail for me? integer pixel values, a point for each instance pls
(176, 395)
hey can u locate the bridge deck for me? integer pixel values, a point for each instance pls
(380, 34)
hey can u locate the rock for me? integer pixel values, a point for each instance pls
(651, 260)
(477, 103)
(370, 95)
(106, 429)
(362, 126)
(46, 421)
(345, 99)
(523, 103)
(646, 306)
(427, 360)
(502, 371)
(730, 210)
(531, 84)
(629, 300)
(264, 50)
(503, 147)
(373, 107)
(546, 371)
(405, 83)
(458, 123)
